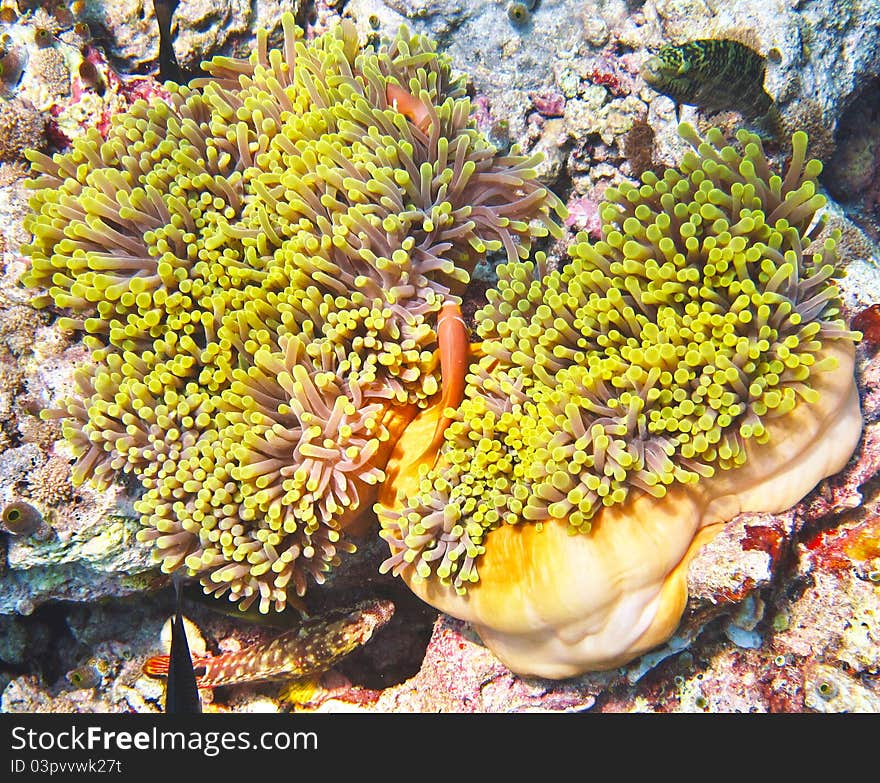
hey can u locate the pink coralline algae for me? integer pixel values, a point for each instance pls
(583, 215)
(868, 322)
(844, 491)
(482, 114)
(614, 72)
(129, 89)
(459, 674)
(847, 547)
(549, 104)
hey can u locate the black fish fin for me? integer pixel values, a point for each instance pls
(678, 113)
(169, 68)
(181, 691)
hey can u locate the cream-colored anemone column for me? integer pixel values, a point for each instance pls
(556, 605)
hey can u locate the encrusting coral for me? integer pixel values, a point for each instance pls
(50, 483)
(691, 365)
(21, 127)
(258, 263)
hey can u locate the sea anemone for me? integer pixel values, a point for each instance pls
(691, 365)
(257, 263)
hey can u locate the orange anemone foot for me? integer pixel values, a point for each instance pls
(555, 604)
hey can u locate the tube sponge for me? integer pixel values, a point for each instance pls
(257, 264)
(665, 379)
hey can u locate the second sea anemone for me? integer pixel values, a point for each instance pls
(691, 365)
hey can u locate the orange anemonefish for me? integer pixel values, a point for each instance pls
(409, 106)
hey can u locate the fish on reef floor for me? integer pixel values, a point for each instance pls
(714, 74)
(316, 646)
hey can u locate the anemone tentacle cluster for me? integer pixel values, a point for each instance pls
(656, 364)
(257, 264)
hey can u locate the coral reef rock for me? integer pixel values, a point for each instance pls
(783, 613)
